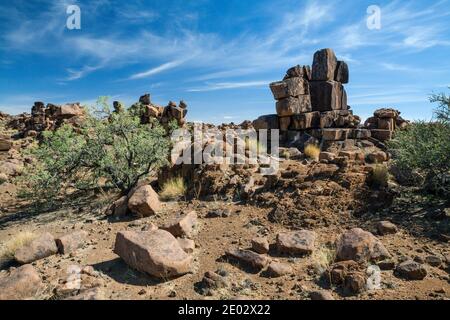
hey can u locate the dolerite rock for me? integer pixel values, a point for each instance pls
(145, 99)
(41, 247)
(254, 259)
(144, 201)
(386, 227)
(296, 242)
(327, 96)
(360, 246)
(260, 245)
(324, 65)
(306, 120)
(213, 281)
(299, 72)
(411, 270)
(386, 113)
(341, 72)
(183, 226)
(291, 87)
(69, 110)
(433, 261)
(20, 284)
(71, 242)
(290, 106)
(321, 295)
(278, 269)
(284, 123)
(355, 282)
(157, 253)
(266, 122)
(5, 144)
(178, 112)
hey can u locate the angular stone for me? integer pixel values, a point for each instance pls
(359, 245)
(187, 245)
(411, 270)
(69, 110)
(299, 72)
(359, 134)
(284, 123)
(256, 260)
(307, 120)
(290, 106)
(267, 122)
(386, 113)
(334, 134)
(433, 261)
(119, 208)
(342, 73)
(183, 226)
(213, 281)
(260, 245)
(278, 269)
(71, 242)
(145, 99)
(329, 156)
(327, 95)
(22, 283)
(377, 157)
(41, 247)
(144, 201)
(324, 65)
(382, 135)
(5, 144)
(154, 112)
(178, 113)
(157, 253)
(386, 227)
(386, 124)
(296, 242)
(339, 271)
(355, 282)
(291, 87)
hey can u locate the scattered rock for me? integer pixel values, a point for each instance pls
(433, 261)
(41, 247)
(386, 227)
(71, 242)
(321, 295)
(184, 226)
(296, 242)
(156, 252)
(90, 294)
(359, 245)
(355, 282)
(278, 269)
(20, 284)
(256, 260)
(411, 270)
(212, 281)
(144, 201)
(260, 245)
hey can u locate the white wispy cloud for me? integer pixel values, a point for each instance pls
(229, 85)
(164, 67)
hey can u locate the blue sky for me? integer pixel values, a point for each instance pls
(220, 55)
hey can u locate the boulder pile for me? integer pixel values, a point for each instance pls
(384, 122)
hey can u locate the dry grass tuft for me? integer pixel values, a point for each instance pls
(173, 189)
(312, 151)
(380, 175)
(322, 258)
(17, 241)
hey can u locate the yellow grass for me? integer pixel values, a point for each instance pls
(323, 257)
(312, 151)
(16, 241)
(380, 175)
(173, 189)
(253, 144)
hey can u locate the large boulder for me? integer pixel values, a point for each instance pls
(157, 253)
(267, 122)
(341, 72)
(41, 247)
(327, 96)
(324, 65)
(293, 105)
(69, 110)
(291, 87)
(361, 246)
(296, 242)
(144, 201)
(23, 283)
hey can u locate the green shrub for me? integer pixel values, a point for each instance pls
(424, 148)
(113, 147)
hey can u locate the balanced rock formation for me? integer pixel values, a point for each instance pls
(384, 123)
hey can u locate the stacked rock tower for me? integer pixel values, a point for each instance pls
(312, 106)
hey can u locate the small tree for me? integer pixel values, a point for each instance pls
(424, 148)
(112, 146)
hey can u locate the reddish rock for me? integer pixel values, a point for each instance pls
(184, 226)
(23, 283)
(157, 253)
(41, 247)
(144, 201)
(256, 260)
(324, 65)
(411, 270)
(291, 87)
(71, 242)
(296, 242)
(278, 269)
(386, 227)
(260, 245)
(359, 245)
(187, 245)
(290, 106)
(321, 295)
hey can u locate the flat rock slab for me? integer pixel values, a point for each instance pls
(254, 259)
(260, 245)
(71, 242)
(183, 226)
(296, 242)
(278, 269)
(22, 283)
(360, 246)
(157, 253)
(41, 247)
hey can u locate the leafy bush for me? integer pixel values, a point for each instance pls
(312, 151)
(424, 148)
(111, 147)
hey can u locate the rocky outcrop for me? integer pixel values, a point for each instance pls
(384, 123)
